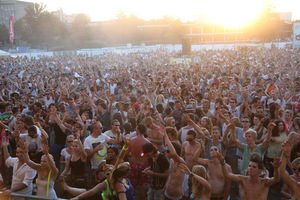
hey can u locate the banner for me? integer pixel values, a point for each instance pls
(174, 61)
(11, 29)
(296, 35)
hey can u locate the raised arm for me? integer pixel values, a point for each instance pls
(51, 162)
(123, 152)
(201, 180)
(195, 126)
(229, 175)
(59, 122)
(286, 151)
(276, 178)
(44, 135)
(196, 157)
(170, 146)
(83, 154)
(29, 162)
(237, 143)
(266, 141)
(4, 145)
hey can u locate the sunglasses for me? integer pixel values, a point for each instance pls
(107, 173)
(214, 149)
(70, 141)
(245, 121)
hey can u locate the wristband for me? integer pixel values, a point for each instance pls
(191, 174)
(125, 148)
(223, 163)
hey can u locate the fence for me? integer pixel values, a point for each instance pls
(24, 197)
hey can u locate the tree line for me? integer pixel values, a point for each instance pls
(43, 30)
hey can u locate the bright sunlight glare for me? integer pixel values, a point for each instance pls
(235, 13)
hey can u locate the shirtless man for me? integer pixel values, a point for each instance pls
(252, 186)
(138, 163)
(293, 184)
(173, 188)
(188, 149)
(154, 134)
(219, 184)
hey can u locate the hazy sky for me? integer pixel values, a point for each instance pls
(236, 11)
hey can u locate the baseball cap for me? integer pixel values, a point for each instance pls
(146, 149)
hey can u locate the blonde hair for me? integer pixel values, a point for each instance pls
(197, 188)
(209, 123)
(252, 132)
(292, 136)
(120, 171)
(168, 121)
(162, 97)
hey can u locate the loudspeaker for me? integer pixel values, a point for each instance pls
(186, 46)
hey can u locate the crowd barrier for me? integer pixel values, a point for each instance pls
(17, 196)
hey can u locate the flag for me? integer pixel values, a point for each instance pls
(11, 29)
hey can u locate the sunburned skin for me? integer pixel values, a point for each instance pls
(155, 137)
(188, 151)
(219, 184)
(174, 182)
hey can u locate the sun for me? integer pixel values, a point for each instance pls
(236, 13)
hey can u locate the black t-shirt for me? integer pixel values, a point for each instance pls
(60, 136)
(160, 165)
(106, 119)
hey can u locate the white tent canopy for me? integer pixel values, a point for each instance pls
(3, 53)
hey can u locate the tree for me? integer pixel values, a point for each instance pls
(4, 34)
(267, 26)
(32, 18)
(80, 31)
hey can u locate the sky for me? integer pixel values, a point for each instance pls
(234, 12)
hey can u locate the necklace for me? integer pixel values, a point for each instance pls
(44, 177)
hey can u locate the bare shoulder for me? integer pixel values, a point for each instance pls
(184, 143)
(228, 167)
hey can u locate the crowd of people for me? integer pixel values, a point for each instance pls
(134, 126)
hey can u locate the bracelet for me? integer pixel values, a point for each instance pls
(125, 148)
(223, 163)
(191, 174)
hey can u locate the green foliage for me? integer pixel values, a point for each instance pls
(4, 34)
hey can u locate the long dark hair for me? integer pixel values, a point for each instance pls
(275, 131)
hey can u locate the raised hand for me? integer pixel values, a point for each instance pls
(45, 149)
(4, 142)
(23, 145)
(271, 125)
(127, 141)
(77, 111)
(187, 117)
(287, 147)
(184, 169)
(220, 157)
(276, 163)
